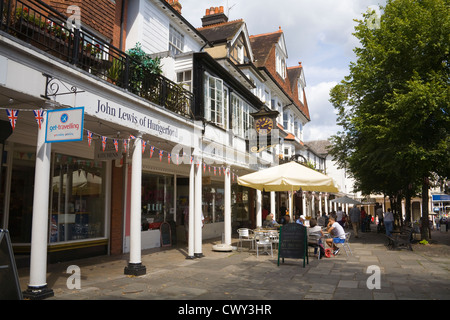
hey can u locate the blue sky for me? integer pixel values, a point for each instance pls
(318, 33)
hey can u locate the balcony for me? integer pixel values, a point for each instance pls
(44, 28)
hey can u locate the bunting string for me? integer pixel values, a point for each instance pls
(13, 115)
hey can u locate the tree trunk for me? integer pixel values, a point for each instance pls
(408, 207)
(424, 229)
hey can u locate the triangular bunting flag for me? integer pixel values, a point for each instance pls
(143, 145)
(152, 148)
(116, 145)
(103, 143)
(160, 154)
(89, 136)
(12, 115)
(39, 116)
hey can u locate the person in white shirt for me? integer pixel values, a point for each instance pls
(338, 233)
(389, 222)
(339, 216)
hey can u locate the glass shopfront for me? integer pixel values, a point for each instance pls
(213, 202)
(157, 199)
(77, 199)
(21, 189)
(240, 211)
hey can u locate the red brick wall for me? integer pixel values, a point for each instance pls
(102, 16)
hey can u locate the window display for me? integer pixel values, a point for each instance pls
(213, 202)
(157, 200)
(77, 199)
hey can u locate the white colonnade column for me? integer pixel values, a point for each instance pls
(198, 216)
(37, 288)
(227, 207)
(135, 266)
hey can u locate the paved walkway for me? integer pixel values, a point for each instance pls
(420, 274)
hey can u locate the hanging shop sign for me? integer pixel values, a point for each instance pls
(64, 125)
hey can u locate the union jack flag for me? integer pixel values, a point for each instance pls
(160, 155)
(143, 145)
(103, 143)
(168, 157)
(125, 143)
(12, 115)
(39, 116)
(152, 148)
(214, 170)
(204, 167)
(89, 137)
(132, 137)
(116, 145)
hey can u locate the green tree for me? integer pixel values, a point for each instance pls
(394, 105)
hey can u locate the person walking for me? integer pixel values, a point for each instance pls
(355, 218)
(389, 222)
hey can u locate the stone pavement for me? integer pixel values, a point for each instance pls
(241, 275)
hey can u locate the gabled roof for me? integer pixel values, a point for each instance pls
(221, 32)
(262, 44)
(319, 147)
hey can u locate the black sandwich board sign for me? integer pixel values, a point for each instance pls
(166, 234)
(9, 279)
(293, 243)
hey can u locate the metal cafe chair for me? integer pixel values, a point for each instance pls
(262, 239)
(246, 235)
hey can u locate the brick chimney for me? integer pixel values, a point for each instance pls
(214, 15)
(175, 4)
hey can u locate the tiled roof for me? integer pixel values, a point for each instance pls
(320, 147)
(262, 44)
(221, 32)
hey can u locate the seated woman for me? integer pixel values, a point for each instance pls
(315, 234)
(338, 233)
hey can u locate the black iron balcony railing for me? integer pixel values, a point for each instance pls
(46, 29)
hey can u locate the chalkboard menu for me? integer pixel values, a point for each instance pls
(9, 279)
(166, 234)
(293, 242)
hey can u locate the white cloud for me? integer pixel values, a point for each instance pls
(323, 115)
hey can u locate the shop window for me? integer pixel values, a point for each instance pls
(21, 196)
(77, 199)
(157, 199)
(240, 211)
(213, 202)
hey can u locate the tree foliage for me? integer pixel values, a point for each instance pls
(394, 105)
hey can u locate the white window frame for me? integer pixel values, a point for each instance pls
(176, 41)
(185, 79)
(216, 101)
(241, 119)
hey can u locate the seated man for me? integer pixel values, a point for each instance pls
(270, 221)
(338, 233)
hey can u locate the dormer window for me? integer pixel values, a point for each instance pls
(300, 91)
(280, 65)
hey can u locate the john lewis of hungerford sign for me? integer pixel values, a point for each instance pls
(64, 125)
